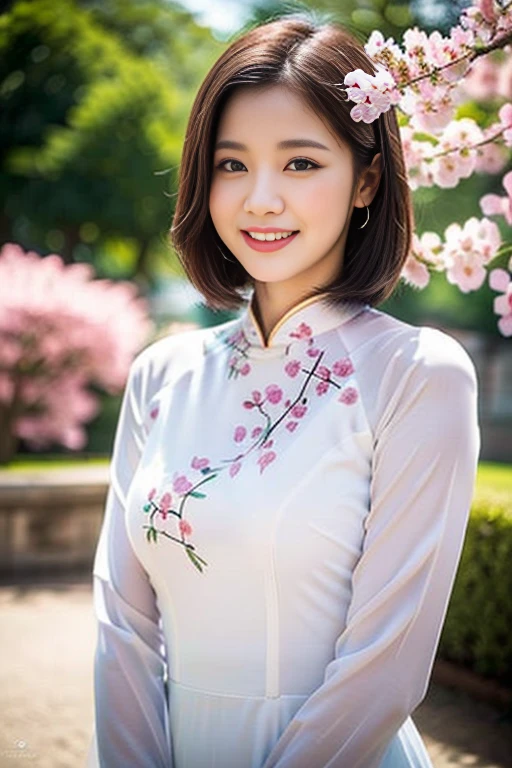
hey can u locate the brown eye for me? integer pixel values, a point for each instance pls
(304, 160)
(236, 162)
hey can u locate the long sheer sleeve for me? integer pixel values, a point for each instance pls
(131, 719)
(426, 449)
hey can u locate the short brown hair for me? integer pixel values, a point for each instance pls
(312, 60)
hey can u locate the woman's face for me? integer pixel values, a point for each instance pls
(265, 184)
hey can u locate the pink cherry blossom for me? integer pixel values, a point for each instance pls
(373, 94)
(274, 393)
(165, 502)
(349, 396)
(292, 368)
(256, 396)
(265, 459)
(324, 372)
(256, 432)
(468, 249)
(414, 272)
(313, 352)
(500, 280)
(181, 484)
(198, 463)
(322, 387)
(245, 369)
(343, 367)
(235, 468)
(501, 205)
(291, 425)
(304, 331)
(299, 410)
(240, 433)
(151, 494)
(505, 116)
(185, 528)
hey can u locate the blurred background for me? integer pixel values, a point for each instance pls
(94, 99)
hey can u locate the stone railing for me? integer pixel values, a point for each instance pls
(50, 519)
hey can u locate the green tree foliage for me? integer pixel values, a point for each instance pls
(91, 128)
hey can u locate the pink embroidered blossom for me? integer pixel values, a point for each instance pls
(322, 387)
(198, 463)
(181, 484)
(256, 432)
(248, 404)
(348, 396)
(267, 444)
(151, 494)
(313, 352)
(343, 367)
(292, 368)
(165, 502)
(302, 332)
(265, 459)
(245, 369)
(256, 396)
(185, 528)
(234, 468)
(323, 372)
(274, 393)
(240, 433)
(291, 425)
(154, 412)
(299, 410)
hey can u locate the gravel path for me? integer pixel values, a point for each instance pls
(46, 695)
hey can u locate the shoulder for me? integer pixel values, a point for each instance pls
(409, 371)
(166, 359)
(405, 348)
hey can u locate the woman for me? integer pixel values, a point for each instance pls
(290, 489)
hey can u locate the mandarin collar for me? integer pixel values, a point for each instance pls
(304, 321)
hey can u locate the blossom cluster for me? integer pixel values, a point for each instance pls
(424, 76)
(463, 255)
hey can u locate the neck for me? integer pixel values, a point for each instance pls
(271, 303)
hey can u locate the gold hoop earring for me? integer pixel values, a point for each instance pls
(367, 218)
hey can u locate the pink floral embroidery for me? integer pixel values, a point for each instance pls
(168, 507)
(348, 396)
(292, 368)
(154, 412)
(238, 363)
(302, 332)
(261, 438)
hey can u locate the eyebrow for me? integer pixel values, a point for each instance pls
(286, 144)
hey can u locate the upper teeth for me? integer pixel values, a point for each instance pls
(269, 235)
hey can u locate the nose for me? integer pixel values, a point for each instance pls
(263, 196)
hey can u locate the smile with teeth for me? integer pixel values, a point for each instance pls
(270, 235)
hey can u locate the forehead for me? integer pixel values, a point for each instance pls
(269, 114)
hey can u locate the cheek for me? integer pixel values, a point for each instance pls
(221, 202)
(328, 200)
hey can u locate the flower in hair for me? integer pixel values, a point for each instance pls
(372, 94)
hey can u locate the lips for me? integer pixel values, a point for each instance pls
(268, 245)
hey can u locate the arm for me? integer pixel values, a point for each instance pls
(131, 719)
(423, 470)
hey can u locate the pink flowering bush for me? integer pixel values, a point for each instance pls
(60, 331)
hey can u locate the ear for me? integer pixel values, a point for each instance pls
(368, 183)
